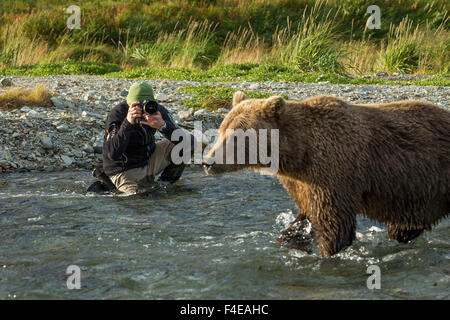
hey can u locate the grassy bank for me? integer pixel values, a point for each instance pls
(288, 40)
(215, 97)
(225, 73)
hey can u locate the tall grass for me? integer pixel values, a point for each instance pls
(189, 48)
(411, 49)
(242, 46)
(324, 36)
(15, 50)
(403, 52)
(311, 46)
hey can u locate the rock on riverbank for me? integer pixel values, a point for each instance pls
(70, 134)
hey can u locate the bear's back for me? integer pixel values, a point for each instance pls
(416, 127)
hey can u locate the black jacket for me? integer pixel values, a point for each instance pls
(128, 146)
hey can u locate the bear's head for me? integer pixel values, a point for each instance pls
(248, 136)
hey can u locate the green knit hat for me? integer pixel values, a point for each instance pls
(140, 91)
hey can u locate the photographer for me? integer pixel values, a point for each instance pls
(131, 158)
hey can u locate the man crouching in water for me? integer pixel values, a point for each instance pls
(131, 158)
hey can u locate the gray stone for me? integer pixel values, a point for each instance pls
(25, 109)
(123, 93)
(367, 89)
(63, 128)
(58, 103)
(5, 155)
(82, 164)
(186, 114)
(200, 112)
(87, 148)
(34, 114)
(6, 82)
(89, 96)
(254, 86)
(77, 153)
(46, 142)
(161, 97)
(67, 160)
(49, 168)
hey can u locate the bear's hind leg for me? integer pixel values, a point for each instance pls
(403, 235)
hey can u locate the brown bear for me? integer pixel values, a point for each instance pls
(390, 162)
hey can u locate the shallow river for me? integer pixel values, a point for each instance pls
(204, 238)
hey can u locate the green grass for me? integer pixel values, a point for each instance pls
(229, 73)
(256, 72)
(64, 68)
(215, 97)
(232, 72)
(402, 57)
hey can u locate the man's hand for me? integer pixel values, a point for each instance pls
(134, 112)
(155, 120)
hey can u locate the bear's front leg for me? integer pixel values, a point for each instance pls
(300, 216)
(335, 228)
(297, 235)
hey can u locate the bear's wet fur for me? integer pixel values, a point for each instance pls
(390, 162)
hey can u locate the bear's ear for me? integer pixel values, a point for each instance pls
(238, 97)
(273, 107)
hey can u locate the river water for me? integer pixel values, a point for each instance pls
(205, 238)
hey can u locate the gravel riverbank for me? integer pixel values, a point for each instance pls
(70, 134)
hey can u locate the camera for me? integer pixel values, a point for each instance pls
(147, 106)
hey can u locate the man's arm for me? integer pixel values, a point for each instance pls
(118, 131)
(169, 125)
(117, 138)
(163, 121)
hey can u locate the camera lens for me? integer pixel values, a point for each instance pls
(151, 107)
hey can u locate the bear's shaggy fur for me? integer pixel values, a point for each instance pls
(390, 162)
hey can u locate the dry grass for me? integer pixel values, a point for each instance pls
(362, 57)
(17, 50)
(15, 98)
(435, 49)
(241, 47)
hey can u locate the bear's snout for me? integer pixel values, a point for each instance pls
(207, 163)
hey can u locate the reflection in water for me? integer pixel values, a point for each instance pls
(204, 238)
